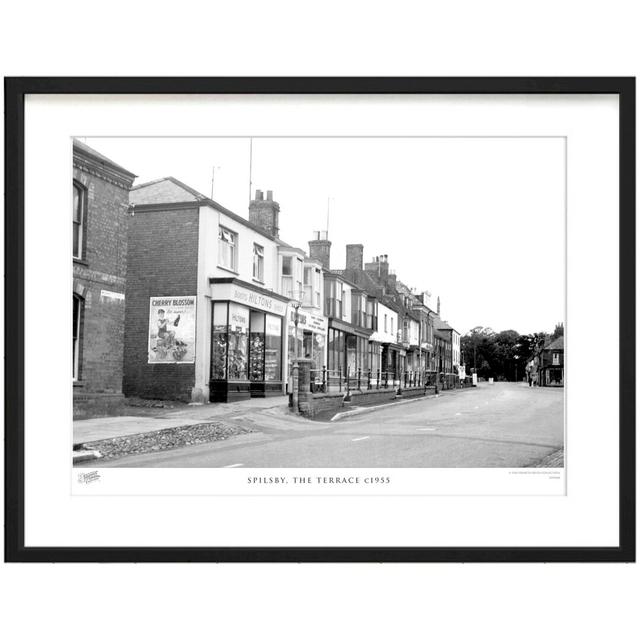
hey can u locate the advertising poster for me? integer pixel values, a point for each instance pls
(172, 330)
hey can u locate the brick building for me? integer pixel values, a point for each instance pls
(206, 319)
(100, 217)
(549, 363)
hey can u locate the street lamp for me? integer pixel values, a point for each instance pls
(296, 299)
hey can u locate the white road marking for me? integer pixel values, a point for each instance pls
(475, 407)
(458, 414)
(426, 429)
(362, 438)
(230, 466)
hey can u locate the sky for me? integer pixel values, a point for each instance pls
(479, 222)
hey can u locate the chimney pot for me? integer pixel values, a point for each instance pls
(269, 195)
(258, 194)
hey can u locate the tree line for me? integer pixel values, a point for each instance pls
(502, 355)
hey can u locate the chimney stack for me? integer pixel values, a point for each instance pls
(379, 267)
(320, 249)
(265, 213)
(438, 311)
(355, 256)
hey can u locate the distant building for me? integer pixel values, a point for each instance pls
(546, 367)
(551, 364)
(350, 313)
(100, 219)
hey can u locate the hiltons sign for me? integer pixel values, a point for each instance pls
(248, 297)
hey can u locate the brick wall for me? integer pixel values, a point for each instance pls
(163, 261)
(99, 280)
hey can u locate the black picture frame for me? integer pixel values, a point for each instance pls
(15, 91)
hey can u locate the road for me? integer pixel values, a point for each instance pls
(500, 425)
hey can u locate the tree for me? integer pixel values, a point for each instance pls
(500, 355)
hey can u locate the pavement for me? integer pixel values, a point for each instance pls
(499, 425)
(154, 419)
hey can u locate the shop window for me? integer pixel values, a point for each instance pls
(256, 346)
(273, 348)
(238, 352)
(219, 342)
(258, 262)
(227, 249)
(79, 206)
(78, 308)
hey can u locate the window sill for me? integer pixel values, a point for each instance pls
(258, 281)
(78, 383)
(81, 261)
(228, 269)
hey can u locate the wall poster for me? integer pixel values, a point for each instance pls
(172, 330)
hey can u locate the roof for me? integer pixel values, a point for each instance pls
(557, 344)
(340, 273)
(164, 191)
(85, 149)
(170, 190)
(440, 324)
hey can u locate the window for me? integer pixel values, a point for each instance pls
(299, 277)
(287, 266)
(556, 358)
(385, 323)
(77, 315)
(316, 286)
(227, 249)
(287, 276)
(333, 299)
(308, 286)
(392, 324)
(79, 204)
(357, 309)
(258, 262)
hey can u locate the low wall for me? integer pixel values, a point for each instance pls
(315, 405)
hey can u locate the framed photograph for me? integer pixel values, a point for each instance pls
(320, 319)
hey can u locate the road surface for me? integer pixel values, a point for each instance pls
(500, 425)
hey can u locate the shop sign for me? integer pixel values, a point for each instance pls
(308, 321)
(113, 295)
(172, 330)
(253, 299)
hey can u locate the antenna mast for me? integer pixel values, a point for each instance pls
(250, 166)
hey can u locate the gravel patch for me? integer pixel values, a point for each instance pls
(164, 439)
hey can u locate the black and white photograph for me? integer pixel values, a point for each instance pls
(319, 302)
(365, 315)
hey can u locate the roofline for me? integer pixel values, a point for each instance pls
(80, 148)
(199, 201)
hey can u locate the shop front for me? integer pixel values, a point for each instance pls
(247, 340)
(310, 340)
(347, 349)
